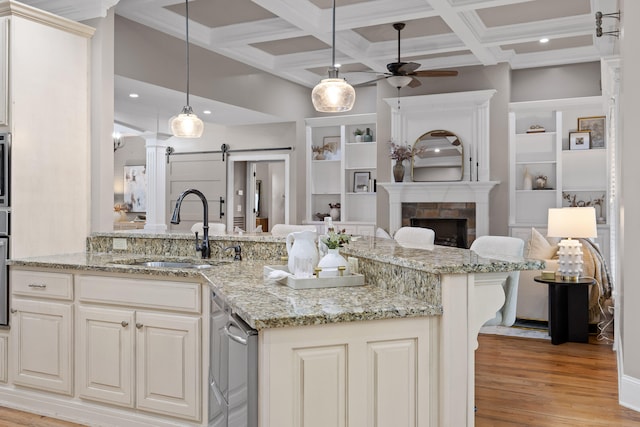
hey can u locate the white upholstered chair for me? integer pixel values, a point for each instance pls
(497, 247)
(215, 229)
(285, 229)
(415, 237)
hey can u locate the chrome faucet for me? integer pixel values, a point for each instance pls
(204, 248)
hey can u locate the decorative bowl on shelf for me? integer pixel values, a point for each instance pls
(322, 216)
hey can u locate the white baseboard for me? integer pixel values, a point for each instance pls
(630, 392)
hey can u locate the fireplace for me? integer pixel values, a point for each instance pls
(449, 231)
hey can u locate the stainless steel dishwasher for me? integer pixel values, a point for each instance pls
(233, 373)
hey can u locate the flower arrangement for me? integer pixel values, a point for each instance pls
(336, 239)
(403, 152)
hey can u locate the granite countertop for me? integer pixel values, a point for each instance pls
(259, 302)
(441, 260)
(265, 304)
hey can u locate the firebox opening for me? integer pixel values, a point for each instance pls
(449, 231)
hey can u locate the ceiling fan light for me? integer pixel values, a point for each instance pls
(333, 95)
(186, 124)
(399, 81)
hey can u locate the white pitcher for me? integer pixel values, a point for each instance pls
(302, 252)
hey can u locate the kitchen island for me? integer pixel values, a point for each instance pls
(399, 349)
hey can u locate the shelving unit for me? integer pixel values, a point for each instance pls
(580, 173)
(332, 180)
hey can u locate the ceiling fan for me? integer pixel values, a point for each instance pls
(403, 74)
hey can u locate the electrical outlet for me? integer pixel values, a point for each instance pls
(120, 243)
(239, 208)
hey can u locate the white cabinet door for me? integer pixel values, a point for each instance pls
(168, 373)
(376, 373)
(106, 355)
(41, 334)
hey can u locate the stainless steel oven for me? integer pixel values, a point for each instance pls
(5, 151)
(233, 375)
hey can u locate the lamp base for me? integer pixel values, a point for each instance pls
(570, 260)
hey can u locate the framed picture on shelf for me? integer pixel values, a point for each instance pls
(579, 140)
(361, 182)
(331, 146)
(596, 125)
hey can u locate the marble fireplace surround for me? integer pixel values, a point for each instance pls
(439, 192)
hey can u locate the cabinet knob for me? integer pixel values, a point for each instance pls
(124, 323)
(139, 325)
(13, 310)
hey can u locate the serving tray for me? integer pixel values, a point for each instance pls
(314, 282)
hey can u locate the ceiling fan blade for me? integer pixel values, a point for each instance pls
(415, 83)
(434, 73)
(408, 68)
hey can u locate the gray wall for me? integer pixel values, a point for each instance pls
(567, 81)
(630, 202)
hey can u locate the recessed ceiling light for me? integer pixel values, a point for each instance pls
(206, 112)
(544, 40)
(133, 95)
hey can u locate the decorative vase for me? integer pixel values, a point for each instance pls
(334, 213)
(319, 156)
(368, 136)
(398, 171)
(330, 263)
(527, 182)
(541, 182)
(358, 138)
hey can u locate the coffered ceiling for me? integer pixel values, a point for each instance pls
(292, 38)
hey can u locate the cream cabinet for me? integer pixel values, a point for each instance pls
(44, 104)
(373, 373)
(132, 356)
(340, 168)
(42, 331)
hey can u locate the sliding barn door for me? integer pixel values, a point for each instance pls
(204, 172)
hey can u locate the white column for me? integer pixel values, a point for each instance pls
(156, 185)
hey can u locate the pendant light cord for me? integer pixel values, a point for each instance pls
(333, 40)
(187, 39)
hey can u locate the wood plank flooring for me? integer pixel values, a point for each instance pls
(519, 382)
(529, 382)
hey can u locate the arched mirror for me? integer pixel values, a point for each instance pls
(438, 157)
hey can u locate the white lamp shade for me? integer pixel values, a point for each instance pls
(572, 222)
(333, 95)
(186, 125)
(399, 81)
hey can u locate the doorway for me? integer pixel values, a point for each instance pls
(259, 185)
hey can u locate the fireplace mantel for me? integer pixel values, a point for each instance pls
(439, 192)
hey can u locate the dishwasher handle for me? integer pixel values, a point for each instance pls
(236, 338)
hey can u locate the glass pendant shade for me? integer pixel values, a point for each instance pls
(186, 124)
(333, 95)
(399, 81)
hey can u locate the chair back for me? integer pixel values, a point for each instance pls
(283, 230)
(415, 237)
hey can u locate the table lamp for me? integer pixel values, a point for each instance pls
(569, 224)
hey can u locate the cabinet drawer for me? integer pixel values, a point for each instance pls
(158, 294)
(42, 284)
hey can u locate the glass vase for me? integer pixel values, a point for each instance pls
(398, 171)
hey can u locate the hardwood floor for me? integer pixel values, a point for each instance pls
(530, 382)
(519, 382)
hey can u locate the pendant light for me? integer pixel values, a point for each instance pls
(186, 124)
(333, 95)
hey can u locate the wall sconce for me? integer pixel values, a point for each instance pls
(599, 16)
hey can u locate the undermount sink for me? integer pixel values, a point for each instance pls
(172, 264)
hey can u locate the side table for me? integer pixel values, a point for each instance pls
(568, 309)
